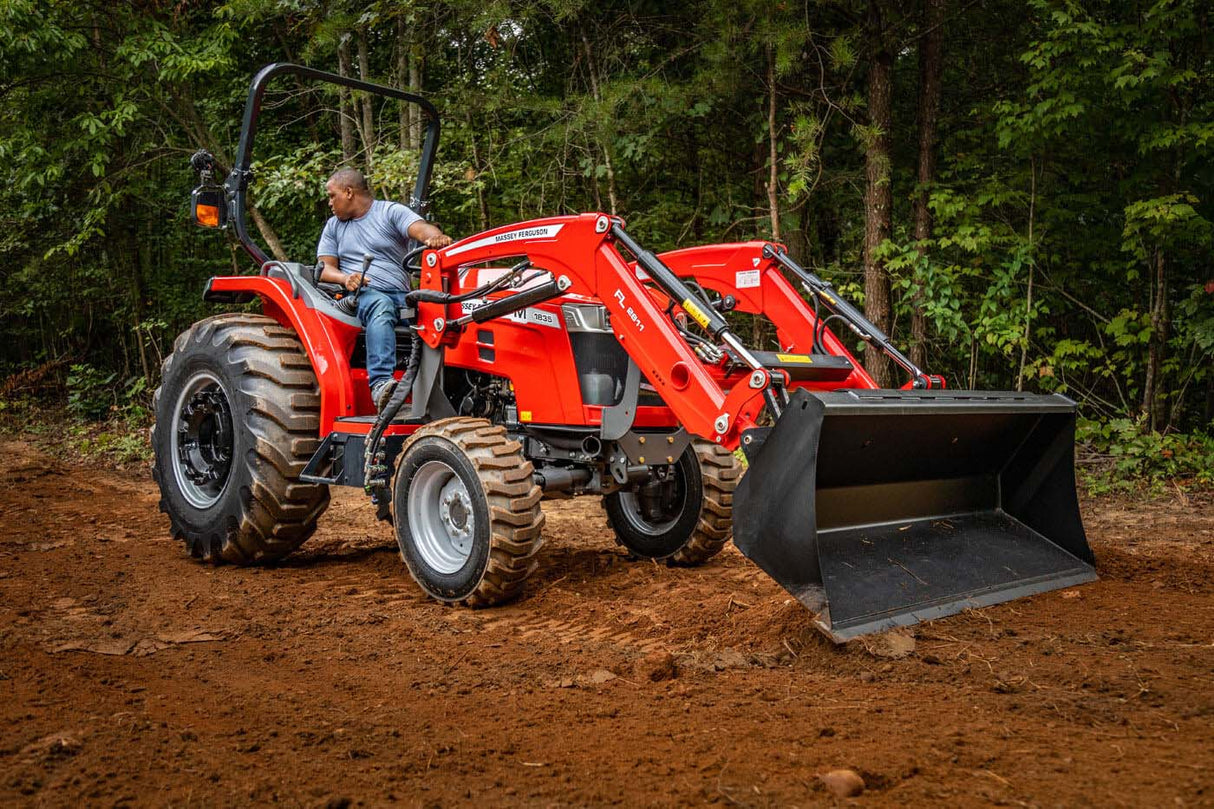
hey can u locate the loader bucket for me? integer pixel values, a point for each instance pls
(883, 508)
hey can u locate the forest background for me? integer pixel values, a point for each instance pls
(1020, 193)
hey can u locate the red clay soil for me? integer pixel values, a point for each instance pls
(131, 675)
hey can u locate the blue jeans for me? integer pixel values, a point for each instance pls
(379, 313)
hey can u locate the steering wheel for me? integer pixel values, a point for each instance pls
(415, 253)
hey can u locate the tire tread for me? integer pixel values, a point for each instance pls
(516, 517)
(282, 422)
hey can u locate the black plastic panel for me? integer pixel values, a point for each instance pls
(602, 365)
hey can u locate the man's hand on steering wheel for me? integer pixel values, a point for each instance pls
(412, 260)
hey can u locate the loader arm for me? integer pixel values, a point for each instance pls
(760, 288)
(583, 253)
(753, 272)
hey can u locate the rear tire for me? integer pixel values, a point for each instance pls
(237, 419)
(700, 521)
(467, 512)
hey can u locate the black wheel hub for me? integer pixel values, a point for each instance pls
(661, 497)
(204, 437)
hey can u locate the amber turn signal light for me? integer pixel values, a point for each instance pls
(208, 215)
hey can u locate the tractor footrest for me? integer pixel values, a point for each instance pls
(401, 418)
(339, 461)
(807, 367)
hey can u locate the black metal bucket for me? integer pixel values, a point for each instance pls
(878, 509)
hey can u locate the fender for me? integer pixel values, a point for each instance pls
(326, 341)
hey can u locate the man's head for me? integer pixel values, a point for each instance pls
(349, 194)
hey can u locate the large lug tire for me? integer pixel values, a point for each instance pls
(467, 512)
(237, 418)
(698, 513)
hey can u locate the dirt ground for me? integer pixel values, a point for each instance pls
(131, 675)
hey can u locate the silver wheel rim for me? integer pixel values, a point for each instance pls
(440, 515)
(201, 440)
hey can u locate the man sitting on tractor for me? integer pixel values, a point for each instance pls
(363, 227)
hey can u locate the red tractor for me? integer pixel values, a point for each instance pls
(558, 357)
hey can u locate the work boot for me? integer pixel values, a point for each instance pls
(382, 392)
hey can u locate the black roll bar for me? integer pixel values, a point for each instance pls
(238, 180)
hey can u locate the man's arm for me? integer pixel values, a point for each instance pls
(326, 252)
(332, 275)
(429, 234)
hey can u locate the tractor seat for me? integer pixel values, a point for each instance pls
(321, 295)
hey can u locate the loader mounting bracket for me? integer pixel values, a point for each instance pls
(654, 449)
(753, 440)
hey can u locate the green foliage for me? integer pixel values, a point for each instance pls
(91, 392)
(1073, 158)
(116, 442)
(1120, 455)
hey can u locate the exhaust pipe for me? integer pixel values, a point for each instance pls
(878, 509)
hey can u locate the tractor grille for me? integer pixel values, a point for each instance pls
(602, 365)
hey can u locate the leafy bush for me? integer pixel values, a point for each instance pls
(1120, 455)
(94, 394)
(91, 392)
(118, 443)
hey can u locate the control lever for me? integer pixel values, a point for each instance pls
(349, 304)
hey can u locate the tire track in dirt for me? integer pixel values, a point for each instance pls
(331, 679)
(566, 632)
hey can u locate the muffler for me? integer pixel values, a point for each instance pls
(884, 508)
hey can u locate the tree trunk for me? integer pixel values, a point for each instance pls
(878, 196)
(364, 73)
(759, 190)
(402, 80)
(1028, 296)
(343, 100)
(140, 259)
(759, 186)
(598, 99)
(796, 234)
(267, 233)
(416, 62)
(282, 35)
(773, 199)
(482, 203)
(931, 63)
(1208, 410)
(1154, 397)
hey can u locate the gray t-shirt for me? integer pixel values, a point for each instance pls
(383, 231)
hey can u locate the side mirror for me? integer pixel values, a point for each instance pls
(209, 206)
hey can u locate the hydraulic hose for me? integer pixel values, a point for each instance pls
(435, 296)
(862, 326)
(374, 469)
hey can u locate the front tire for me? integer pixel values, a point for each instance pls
(694, 513)
(467, 512)
(237, 418)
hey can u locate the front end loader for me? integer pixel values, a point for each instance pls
(558, 357)
(881, 508)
